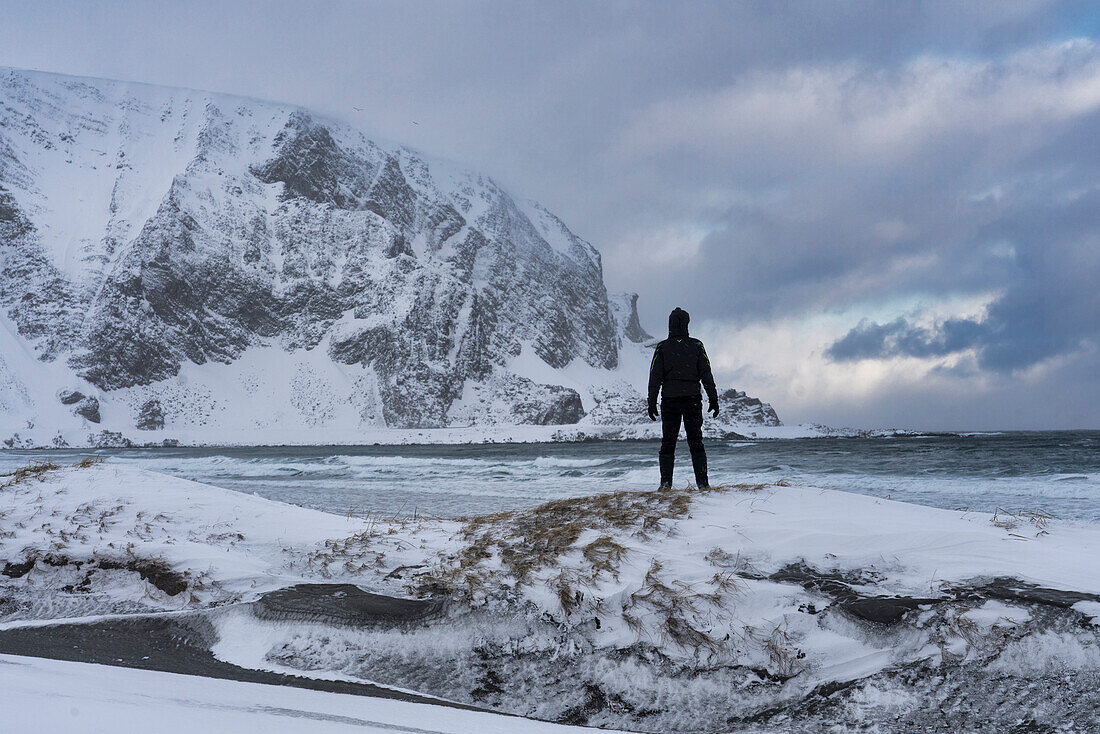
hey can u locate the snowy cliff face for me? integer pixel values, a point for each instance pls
(192, 260)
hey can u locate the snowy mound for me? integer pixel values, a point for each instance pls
(740, 607)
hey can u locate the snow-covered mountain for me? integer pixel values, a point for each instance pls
(183, 264)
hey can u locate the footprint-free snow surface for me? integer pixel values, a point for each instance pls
(746, 607)
(57, 696)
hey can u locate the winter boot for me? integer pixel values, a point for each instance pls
(699, 464)
(667, 463)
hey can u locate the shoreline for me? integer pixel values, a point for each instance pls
(169, 444)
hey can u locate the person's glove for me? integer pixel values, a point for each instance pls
(713, 409)
(653, 411)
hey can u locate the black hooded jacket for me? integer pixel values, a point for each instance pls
(680, 363)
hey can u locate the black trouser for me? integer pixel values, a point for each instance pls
(690, 410)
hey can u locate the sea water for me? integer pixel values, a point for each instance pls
(1053, 472)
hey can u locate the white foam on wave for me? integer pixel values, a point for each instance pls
(405, 462)
(519, 469)
(1082, 492)
(557, 462)
(231, 466)
(634, 478)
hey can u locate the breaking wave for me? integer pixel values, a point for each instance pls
(1056, 472)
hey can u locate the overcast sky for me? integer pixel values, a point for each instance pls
(877, 214)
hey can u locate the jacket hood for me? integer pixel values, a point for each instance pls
(678, 322)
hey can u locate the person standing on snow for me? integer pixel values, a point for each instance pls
(679, 364)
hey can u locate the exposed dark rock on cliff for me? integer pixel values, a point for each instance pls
(743, 409)
(625, 308)
(68, 397)
(151, 417)
(88, 408)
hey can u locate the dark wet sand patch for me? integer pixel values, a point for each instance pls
(343, 604)
(182, 643)
(890, 610)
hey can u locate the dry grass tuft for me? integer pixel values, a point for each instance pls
(39, 469)
(683, 634)
(565, 587)
(782, 653)
(1012, 519)
(528, 541)
(36, 470)
(680, 612)
(726, 583)
(605, 555)
(758, 487)
(352, 554)
(977, 644)
(735, 563)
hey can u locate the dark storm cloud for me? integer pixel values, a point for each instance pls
(851, 181)
(750, 161)
(1051, 309)
(869, 340)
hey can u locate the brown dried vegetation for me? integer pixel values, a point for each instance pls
(39, 469)
(533, 544)
(36, 470)
(528, 541)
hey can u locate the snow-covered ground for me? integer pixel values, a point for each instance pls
(61, 696)
(749, 606)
